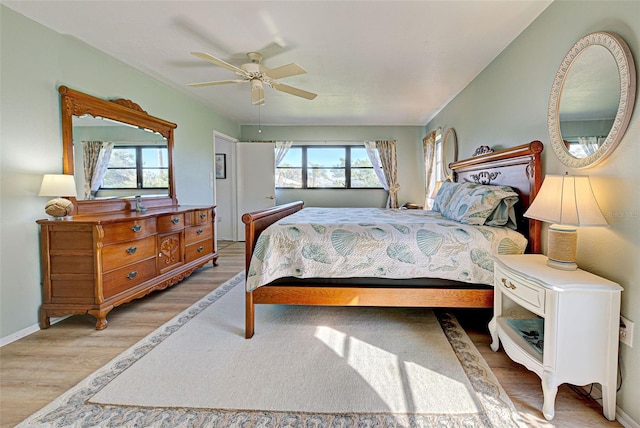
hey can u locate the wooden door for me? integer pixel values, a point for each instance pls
(256, 179)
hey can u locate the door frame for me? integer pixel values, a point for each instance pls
(231, 175)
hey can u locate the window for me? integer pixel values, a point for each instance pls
(326, 167)
(137, 167)
(438, 169)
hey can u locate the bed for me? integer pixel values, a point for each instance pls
(518, 167)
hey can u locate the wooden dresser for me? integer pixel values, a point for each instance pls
(93, 263)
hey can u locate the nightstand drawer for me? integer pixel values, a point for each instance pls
(524, 293)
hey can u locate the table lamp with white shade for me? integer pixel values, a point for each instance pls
(58, 185)
(565, 201)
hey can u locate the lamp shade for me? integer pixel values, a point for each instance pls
(566, 200)
(58, 185)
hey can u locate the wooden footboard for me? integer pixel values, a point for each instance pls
(255, 223)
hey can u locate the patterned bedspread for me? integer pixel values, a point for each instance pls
(380, 243)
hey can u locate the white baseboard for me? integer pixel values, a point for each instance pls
(624, 419)
(26, 332)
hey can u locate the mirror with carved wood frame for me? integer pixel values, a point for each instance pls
(591, 100)
(75, 103)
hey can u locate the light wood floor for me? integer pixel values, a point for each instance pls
(36, 369)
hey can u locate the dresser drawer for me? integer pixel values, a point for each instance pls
(127, 277)
(197, 233)
(128, 230)
(199, 249)
(118, 255)
(526, 294)
(203, 216)
(167, 223)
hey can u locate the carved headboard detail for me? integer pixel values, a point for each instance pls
(485, 177)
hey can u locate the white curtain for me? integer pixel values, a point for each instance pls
(96, 155)
(374, 158)
(389, 162)
(282, 147)
(589, 145)
(429, 147)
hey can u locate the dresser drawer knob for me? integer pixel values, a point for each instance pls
(132, 250)
(175, 220)
(199, 231)
(132, 275)
(510, 285)
(200, 249)
(203, 216)
(136, 228)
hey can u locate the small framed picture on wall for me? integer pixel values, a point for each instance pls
(221, 165)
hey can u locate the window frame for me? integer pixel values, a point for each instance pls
(348, 168)
(139, 168)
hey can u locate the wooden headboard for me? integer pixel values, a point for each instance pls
(518, 167)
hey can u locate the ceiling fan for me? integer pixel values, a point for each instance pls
(258, 75)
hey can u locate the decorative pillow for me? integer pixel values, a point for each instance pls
(481, 204)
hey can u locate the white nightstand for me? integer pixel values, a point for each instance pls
(580, 313)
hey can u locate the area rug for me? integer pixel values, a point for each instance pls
(305, 366)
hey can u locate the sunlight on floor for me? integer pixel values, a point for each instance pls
(395, 381)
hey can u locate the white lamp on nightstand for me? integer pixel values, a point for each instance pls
(566, 201)
(58, 185)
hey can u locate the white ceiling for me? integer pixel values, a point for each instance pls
(370, 62)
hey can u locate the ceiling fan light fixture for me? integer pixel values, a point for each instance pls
(258, 75)
(257, 92)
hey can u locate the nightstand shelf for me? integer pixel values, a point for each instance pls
(516, 340)
(580, 313)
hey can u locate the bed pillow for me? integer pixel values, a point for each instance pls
(447, 188)
(481, 204)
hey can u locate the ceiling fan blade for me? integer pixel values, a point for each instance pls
(217, 61)
(294, 91)
(285, 71)
(217, 82)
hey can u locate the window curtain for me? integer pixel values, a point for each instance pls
(389, 162)
(282, 147)
(429, 147)
(96, 155)
(590, 144)
(374, 158)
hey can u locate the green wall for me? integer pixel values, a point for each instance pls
(35, 61)
(506, 105)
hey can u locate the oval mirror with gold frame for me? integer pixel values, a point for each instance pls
(75, 104)
(449, 151)
(591, 100)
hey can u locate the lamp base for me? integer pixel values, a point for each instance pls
(59, 208)
(561, 249)
(556, 264)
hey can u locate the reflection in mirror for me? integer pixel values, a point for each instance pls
(136, 160)
(591, 100)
